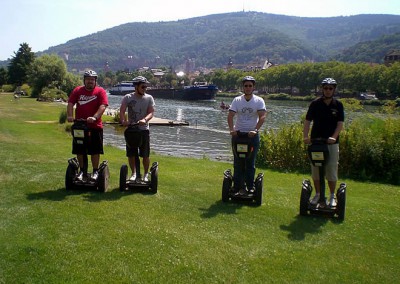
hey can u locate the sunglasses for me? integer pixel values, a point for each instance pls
(248, 86)
(143, 87)
(328, 88)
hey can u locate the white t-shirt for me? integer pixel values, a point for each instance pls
(246, 112)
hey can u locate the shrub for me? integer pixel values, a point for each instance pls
(369, 149)
(7, 88)
(51, 94)
(63, 117)
(283, 149)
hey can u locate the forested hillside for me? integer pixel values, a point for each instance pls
(371, 51)
(247, 37)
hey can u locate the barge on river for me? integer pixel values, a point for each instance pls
(195, 92)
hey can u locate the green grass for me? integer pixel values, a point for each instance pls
(182, 234)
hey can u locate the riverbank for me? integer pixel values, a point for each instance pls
(184, 232)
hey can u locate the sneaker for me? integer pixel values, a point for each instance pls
(315, 199)
(133, 177)
(94, 176)
(146, 177)
(79, 177)
(332, 201)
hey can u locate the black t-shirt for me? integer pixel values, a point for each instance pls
(324, 117)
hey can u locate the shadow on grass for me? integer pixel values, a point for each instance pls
(90, 195)
(220, 207)
(303, 225)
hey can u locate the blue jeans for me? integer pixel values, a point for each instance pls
(245, 168)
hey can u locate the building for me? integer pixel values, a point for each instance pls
(392, 56)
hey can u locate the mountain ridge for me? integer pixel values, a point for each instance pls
(210, 41)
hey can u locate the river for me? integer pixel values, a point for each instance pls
(207, 135)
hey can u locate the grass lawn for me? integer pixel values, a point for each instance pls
(182, 234)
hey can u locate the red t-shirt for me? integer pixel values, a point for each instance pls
(88, 102)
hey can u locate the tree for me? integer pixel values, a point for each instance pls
(3, 76)
(20, 64)
(46, 71)
(70, 82)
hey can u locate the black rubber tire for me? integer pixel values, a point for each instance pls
(259, 189)
(226, 187)
(306, 190)
(69, 177)
(154, 180)
(123, 175)
(102, 183)
(341, 202)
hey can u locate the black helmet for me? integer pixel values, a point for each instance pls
(140, 79)
(329, 81)
(90, 73)
(249, 78)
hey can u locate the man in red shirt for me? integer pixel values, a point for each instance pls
(91, 102)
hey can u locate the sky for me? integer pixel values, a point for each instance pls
(45, 23)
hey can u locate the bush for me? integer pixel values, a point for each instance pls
(26, 89)
(283, 149)
(52, 94)
(63, 117)
(7, 88)
(369, 149)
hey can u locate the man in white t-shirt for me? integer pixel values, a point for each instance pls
(250, 113)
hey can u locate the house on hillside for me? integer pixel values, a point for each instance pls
(392, 56)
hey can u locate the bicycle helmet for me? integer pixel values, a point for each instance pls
(140, 79)
(249, 78)
(90, 73)
(329, 81)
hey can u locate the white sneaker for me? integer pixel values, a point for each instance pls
(146, 177)
(332, 200)
(315, 199)
(133, 177)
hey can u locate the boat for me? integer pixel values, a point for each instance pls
(200, 91)
(197, 91)
(121, 89)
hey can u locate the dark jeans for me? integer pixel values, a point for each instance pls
(241, 179)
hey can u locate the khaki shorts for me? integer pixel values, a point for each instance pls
(331, 167)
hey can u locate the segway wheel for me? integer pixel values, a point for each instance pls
(226, 185)
(259, 189)
(104, 175)
(154, 178)
(123, 175)
(305, 197)
(341, 201)
(70, 174)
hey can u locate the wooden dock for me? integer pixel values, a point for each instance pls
(166, 122)
(160, 122)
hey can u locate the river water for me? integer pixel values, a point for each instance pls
(207, 134)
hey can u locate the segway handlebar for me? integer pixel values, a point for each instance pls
(319, 140)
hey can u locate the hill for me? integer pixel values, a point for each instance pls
(371, 51)
(209, 41)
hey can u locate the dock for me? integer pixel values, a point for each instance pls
(157, 121)
(166, 122)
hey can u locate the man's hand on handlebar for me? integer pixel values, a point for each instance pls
(252, 133)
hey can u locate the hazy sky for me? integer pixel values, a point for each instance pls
(46, 23)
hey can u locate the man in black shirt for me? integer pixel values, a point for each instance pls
(327, 115)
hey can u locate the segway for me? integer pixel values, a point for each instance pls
(318, 153)
(81, 134)
(242, 150)
(125, 183)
